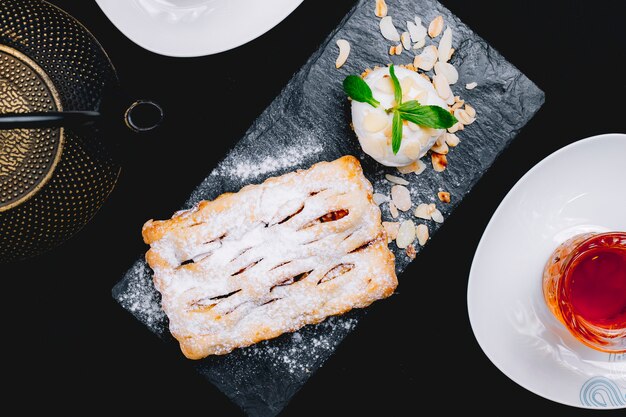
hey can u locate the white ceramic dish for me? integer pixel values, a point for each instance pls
(579, 188)
(187, 28)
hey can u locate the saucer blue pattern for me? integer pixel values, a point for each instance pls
(602, 392)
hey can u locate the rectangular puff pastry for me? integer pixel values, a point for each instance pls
(271, 258)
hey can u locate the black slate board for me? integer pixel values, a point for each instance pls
(307, 123)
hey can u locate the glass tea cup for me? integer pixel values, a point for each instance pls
(584, 285)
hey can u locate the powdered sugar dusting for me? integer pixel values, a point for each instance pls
(251, 167)
(141, 298)
(279, 255)
(302, 355)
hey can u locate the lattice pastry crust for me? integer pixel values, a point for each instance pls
(271, 258)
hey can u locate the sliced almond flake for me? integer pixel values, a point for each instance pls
(431, 208)
(405, 38)
(385, 85)
(393, 210)
(381, 8)
(455, 127)
(446, 69)
(445, 44)
(426, 60)
(344, 51)
(470, 110)
(392, 50)
(407, 169)
(391, 228)
(396, 180)
(375, 121)
(422, 211)
(435, 27)
(421, 231)
(410, 251)
(420, 167)
(420, 44)
(380, 198)
(413, 127)
(439, 162)
(452, 140)
(444, 196)
(408, 83)
(442, 87)
(401, 197)
(417, 31)
(437, 216)
(450, 54)
(388, 29)
(463, 117)
(399, 49)
(410, 67)
(440, 146)
(457, 105)
(471, 86)
(406, 234)
(411, 149)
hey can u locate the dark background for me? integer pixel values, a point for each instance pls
(70, 346)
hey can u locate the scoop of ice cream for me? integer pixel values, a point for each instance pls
(373, 125)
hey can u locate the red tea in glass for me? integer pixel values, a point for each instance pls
(584, 285)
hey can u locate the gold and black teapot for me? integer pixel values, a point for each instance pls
(56, 85)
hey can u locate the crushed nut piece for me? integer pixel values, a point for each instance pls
(391, 228)
(471, 86)
(410, 251)
(439, 162)
(444, 196)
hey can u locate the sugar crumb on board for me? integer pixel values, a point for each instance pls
(304, 354)
(250, 167)
(142, 299)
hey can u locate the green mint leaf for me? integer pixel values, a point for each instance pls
(396, 132)
(397, 89)
(409, 106)
(429, 116)
(358, 90)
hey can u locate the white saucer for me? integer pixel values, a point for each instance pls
(579, 188)
(187, 28)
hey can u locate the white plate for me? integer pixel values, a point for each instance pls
(579, 188)
(186, 28)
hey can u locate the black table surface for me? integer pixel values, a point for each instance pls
(69, 345)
